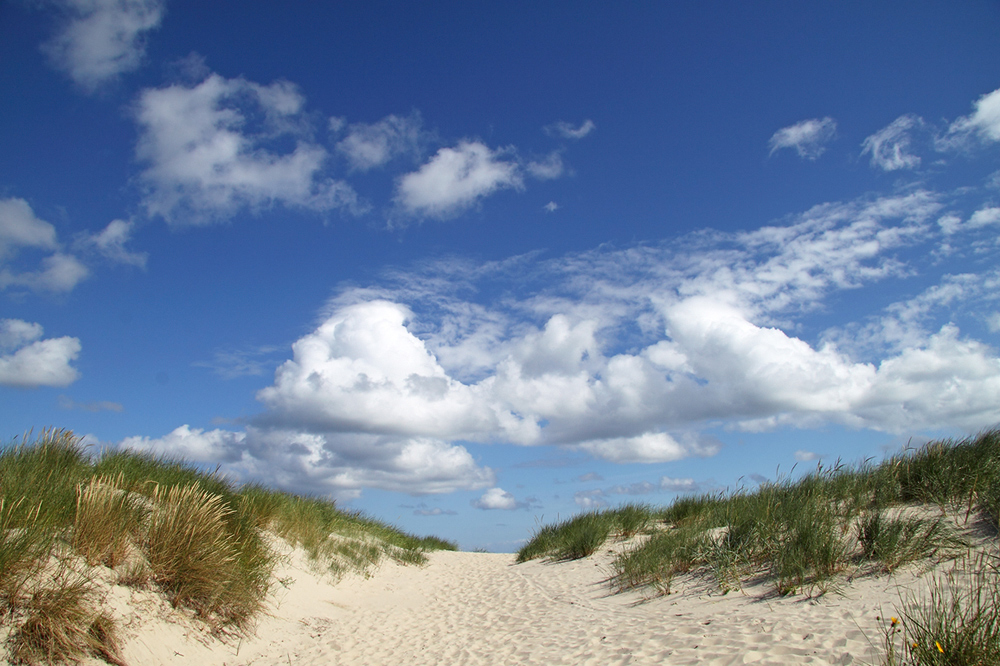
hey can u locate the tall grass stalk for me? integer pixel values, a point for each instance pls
(957, 623)
(108, 521)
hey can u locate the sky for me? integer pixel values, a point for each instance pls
(474, 267)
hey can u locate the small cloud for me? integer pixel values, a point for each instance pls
(641, 488)
(21, 230)
(984, 217)
(65, 402)
(102, 39)
(335, 124)
(550, 207)
(368, 146)
(568, 131)
(28, 361)
(678, 485)
(949, 224)
(590, 499)
(548, 169)
(806, 456)
(497, 499)
(890, 146)
(436, 511)
(590, 476)
(110, 243)
(455, 179)
(806, 137)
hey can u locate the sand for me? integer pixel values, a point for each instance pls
(481, 608)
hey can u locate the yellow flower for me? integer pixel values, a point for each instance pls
(895, 621)
(940, 649)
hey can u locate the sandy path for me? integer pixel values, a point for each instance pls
(476, 608)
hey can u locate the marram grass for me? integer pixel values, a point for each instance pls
(194, 536)
(801, 535)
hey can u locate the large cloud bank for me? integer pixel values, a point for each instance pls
(627, 355)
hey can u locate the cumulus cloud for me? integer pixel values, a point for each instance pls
(985, 217)
(368, 146)
(568, 131)
(889, 148)
(28, 361)
(982, 125)
(807, 137)
(22, 233)
(204, 160)
(628, 354)
(497, 499)
(806, 456)
(455, 179)
(325, 463)
(102, 39)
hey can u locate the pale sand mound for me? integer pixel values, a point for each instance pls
(480, 608)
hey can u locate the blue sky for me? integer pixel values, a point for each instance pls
(469, 267)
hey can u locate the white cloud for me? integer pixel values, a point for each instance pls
(627, 354)
(807, 137)
(192, 444)
(204, 162)
(647, 448)
(551, 207)
(806, 456)
(102, 39)
(983, 124)
(890, 146)
(496, 498)
(27, 361)
(110, 243)
(678, 485)
(549, 168)
(568, 131)
(362, 370)
(985, 217)
(590, 499)
(20, 232)
(455, 179)
(367, 146)
(325, 463)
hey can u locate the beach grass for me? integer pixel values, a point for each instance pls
(801, 534)
(203, 542)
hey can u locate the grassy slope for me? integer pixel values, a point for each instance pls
(195, 537)
(804, 534)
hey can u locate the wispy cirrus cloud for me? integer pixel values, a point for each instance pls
(567, 130)
(890, 147)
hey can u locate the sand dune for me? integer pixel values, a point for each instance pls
(480, 608)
